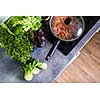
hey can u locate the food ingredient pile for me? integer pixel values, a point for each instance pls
(16, 37)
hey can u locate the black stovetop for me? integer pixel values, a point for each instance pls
(66, 47)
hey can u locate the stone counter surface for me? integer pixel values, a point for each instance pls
(10, 71)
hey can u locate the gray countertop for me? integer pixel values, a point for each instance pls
(10, 69)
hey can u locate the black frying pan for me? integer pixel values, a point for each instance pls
(76, 35)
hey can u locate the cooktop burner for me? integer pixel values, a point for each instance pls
(66, 47)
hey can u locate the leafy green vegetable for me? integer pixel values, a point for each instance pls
(5, 27)
(18, 47)
(32, 67)
(15, 37)
(21, 24)
(28, 76)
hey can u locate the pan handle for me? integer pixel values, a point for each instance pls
(52, 50)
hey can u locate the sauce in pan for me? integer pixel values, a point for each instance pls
(64, 27)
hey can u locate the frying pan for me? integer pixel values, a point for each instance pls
(77, 34)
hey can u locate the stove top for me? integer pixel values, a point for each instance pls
(66, 47)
